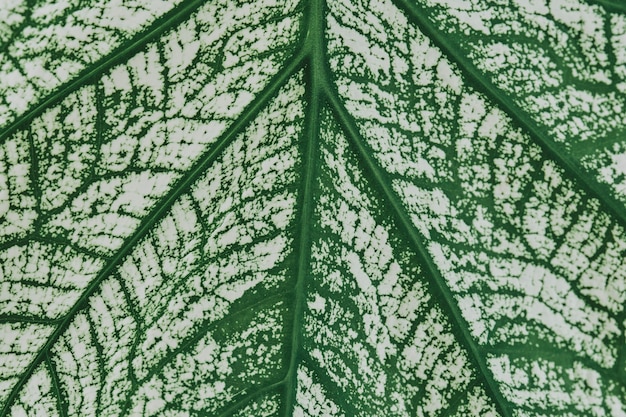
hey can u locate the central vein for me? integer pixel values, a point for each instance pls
(315, 79)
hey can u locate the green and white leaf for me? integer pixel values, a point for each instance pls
(350, 208)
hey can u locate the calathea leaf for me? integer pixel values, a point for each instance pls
(321, 208)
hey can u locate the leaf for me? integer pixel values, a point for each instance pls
(328, 208)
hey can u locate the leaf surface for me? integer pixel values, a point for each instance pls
(44, 44)
(329, 208)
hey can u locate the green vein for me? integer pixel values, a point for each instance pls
(120, 54)
(56, 386)
(34, 169)
(17, 318)
(438, 284)
(315, 53)
(99, 359)
(477, 79)
(612, 6)
(245, 400)
(620, 362)
(156, 214)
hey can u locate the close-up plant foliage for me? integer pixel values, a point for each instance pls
(317, 208)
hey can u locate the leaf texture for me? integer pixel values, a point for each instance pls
(45, 44)
(329, 208)
(560, 65)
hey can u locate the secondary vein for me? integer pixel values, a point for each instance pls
(439, 286)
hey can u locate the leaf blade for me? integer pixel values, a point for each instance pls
(380, 238)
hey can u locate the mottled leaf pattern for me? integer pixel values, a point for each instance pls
(326, 208)
(534, 263)
(44, 44)
(562, 63)
(373, 329)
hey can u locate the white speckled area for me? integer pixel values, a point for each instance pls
(323, 208)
